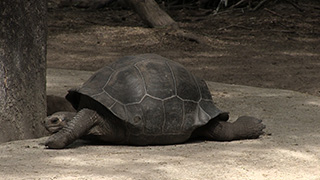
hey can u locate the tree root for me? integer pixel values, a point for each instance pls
(185, 35)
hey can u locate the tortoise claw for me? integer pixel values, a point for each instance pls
(247, 127)
(53, 142)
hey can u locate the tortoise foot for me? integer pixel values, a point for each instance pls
(247, 127)
(55, 143)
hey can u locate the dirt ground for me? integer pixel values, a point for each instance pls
(275, 47)
(289, 150)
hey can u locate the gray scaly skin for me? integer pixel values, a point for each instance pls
(245, 127)
(68, 129)
(73, 129)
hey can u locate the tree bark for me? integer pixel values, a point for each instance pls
(150, 12)
(22, 68)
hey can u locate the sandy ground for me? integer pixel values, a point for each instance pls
(290, 150)
(277, 47)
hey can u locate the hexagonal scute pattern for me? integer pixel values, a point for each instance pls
(153, 95)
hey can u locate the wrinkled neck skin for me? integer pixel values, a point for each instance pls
(81, 123)
(68, 116)
(88, 122)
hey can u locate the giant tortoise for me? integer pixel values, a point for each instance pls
(145, 100)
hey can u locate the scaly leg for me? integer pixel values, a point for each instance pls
(244, 127)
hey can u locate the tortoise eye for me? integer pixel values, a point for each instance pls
(55, 120)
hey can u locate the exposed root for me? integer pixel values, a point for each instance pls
(189, 36)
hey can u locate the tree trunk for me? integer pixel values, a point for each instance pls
(150, 12)
(22, 68)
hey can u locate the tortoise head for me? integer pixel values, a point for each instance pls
(57, 121)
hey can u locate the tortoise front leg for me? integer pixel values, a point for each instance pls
(74, 129)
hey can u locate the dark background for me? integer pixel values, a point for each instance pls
(275, 46)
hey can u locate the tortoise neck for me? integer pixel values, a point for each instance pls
(77, 127)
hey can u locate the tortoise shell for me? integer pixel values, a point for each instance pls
(151, 95)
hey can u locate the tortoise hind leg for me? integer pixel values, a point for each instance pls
(244, 127)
